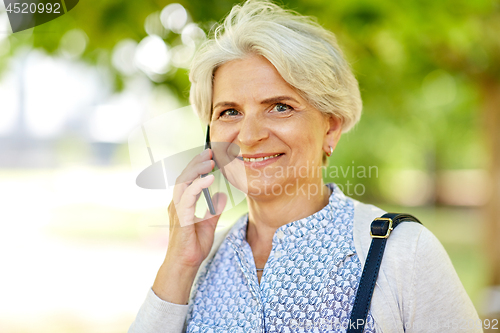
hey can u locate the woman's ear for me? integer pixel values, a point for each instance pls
(333, 132)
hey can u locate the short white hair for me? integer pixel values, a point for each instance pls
(305, 54)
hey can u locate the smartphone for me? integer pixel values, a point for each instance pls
(206, 191)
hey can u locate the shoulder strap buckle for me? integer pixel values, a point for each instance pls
(380, 230)
(381, 227)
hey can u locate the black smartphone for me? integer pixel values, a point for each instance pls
(206, 191)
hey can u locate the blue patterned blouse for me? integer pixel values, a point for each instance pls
(308, 285)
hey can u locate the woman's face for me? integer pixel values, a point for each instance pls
(280, 135)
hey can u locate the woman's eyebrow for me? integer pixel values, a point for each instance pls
(270, 100)
(225, 104)
(277, 99)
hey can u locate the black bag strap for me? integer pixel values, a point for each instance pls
(380, 230)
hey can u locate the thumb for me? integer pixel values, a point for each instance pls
(208, 224)
(220, 200)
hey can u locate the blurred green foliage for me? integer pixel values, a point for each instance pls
(421, 66)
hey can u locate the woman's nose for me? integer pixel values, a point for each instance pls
(253, 129)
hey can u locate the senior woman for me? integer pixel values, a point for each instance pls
(276, 84)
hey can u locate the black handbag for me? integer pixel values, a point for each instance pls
(380, 230)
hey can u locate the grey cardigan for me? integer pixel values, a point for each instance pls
(417, 289)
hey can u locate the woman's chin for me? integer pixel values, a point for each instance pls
(258, 188)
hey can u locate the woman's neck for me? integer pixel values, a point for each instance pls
(269, 213)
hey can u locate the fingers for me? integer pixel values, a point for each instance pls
(200, 165)
(210, 220)
(186, 206)
(219, 199)
(192, 191)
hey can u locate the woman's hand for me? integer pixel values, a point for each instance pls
(190, 238)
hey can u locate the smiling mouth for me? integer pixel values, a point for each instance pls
(258, 159)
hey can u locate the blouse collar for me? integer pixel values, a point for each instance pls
(321, 220)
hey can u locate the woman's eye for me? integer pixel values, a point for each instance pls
(282, 108)
(229, 113)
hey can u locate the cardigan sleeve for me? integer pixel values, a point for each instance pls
(417, 289)
(438, 301)
(157, 315)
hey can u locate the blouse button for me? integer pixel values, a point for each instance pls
(277, 254)
(280, 234)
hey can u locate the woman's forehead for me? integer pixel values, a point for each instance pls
(253, 77)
